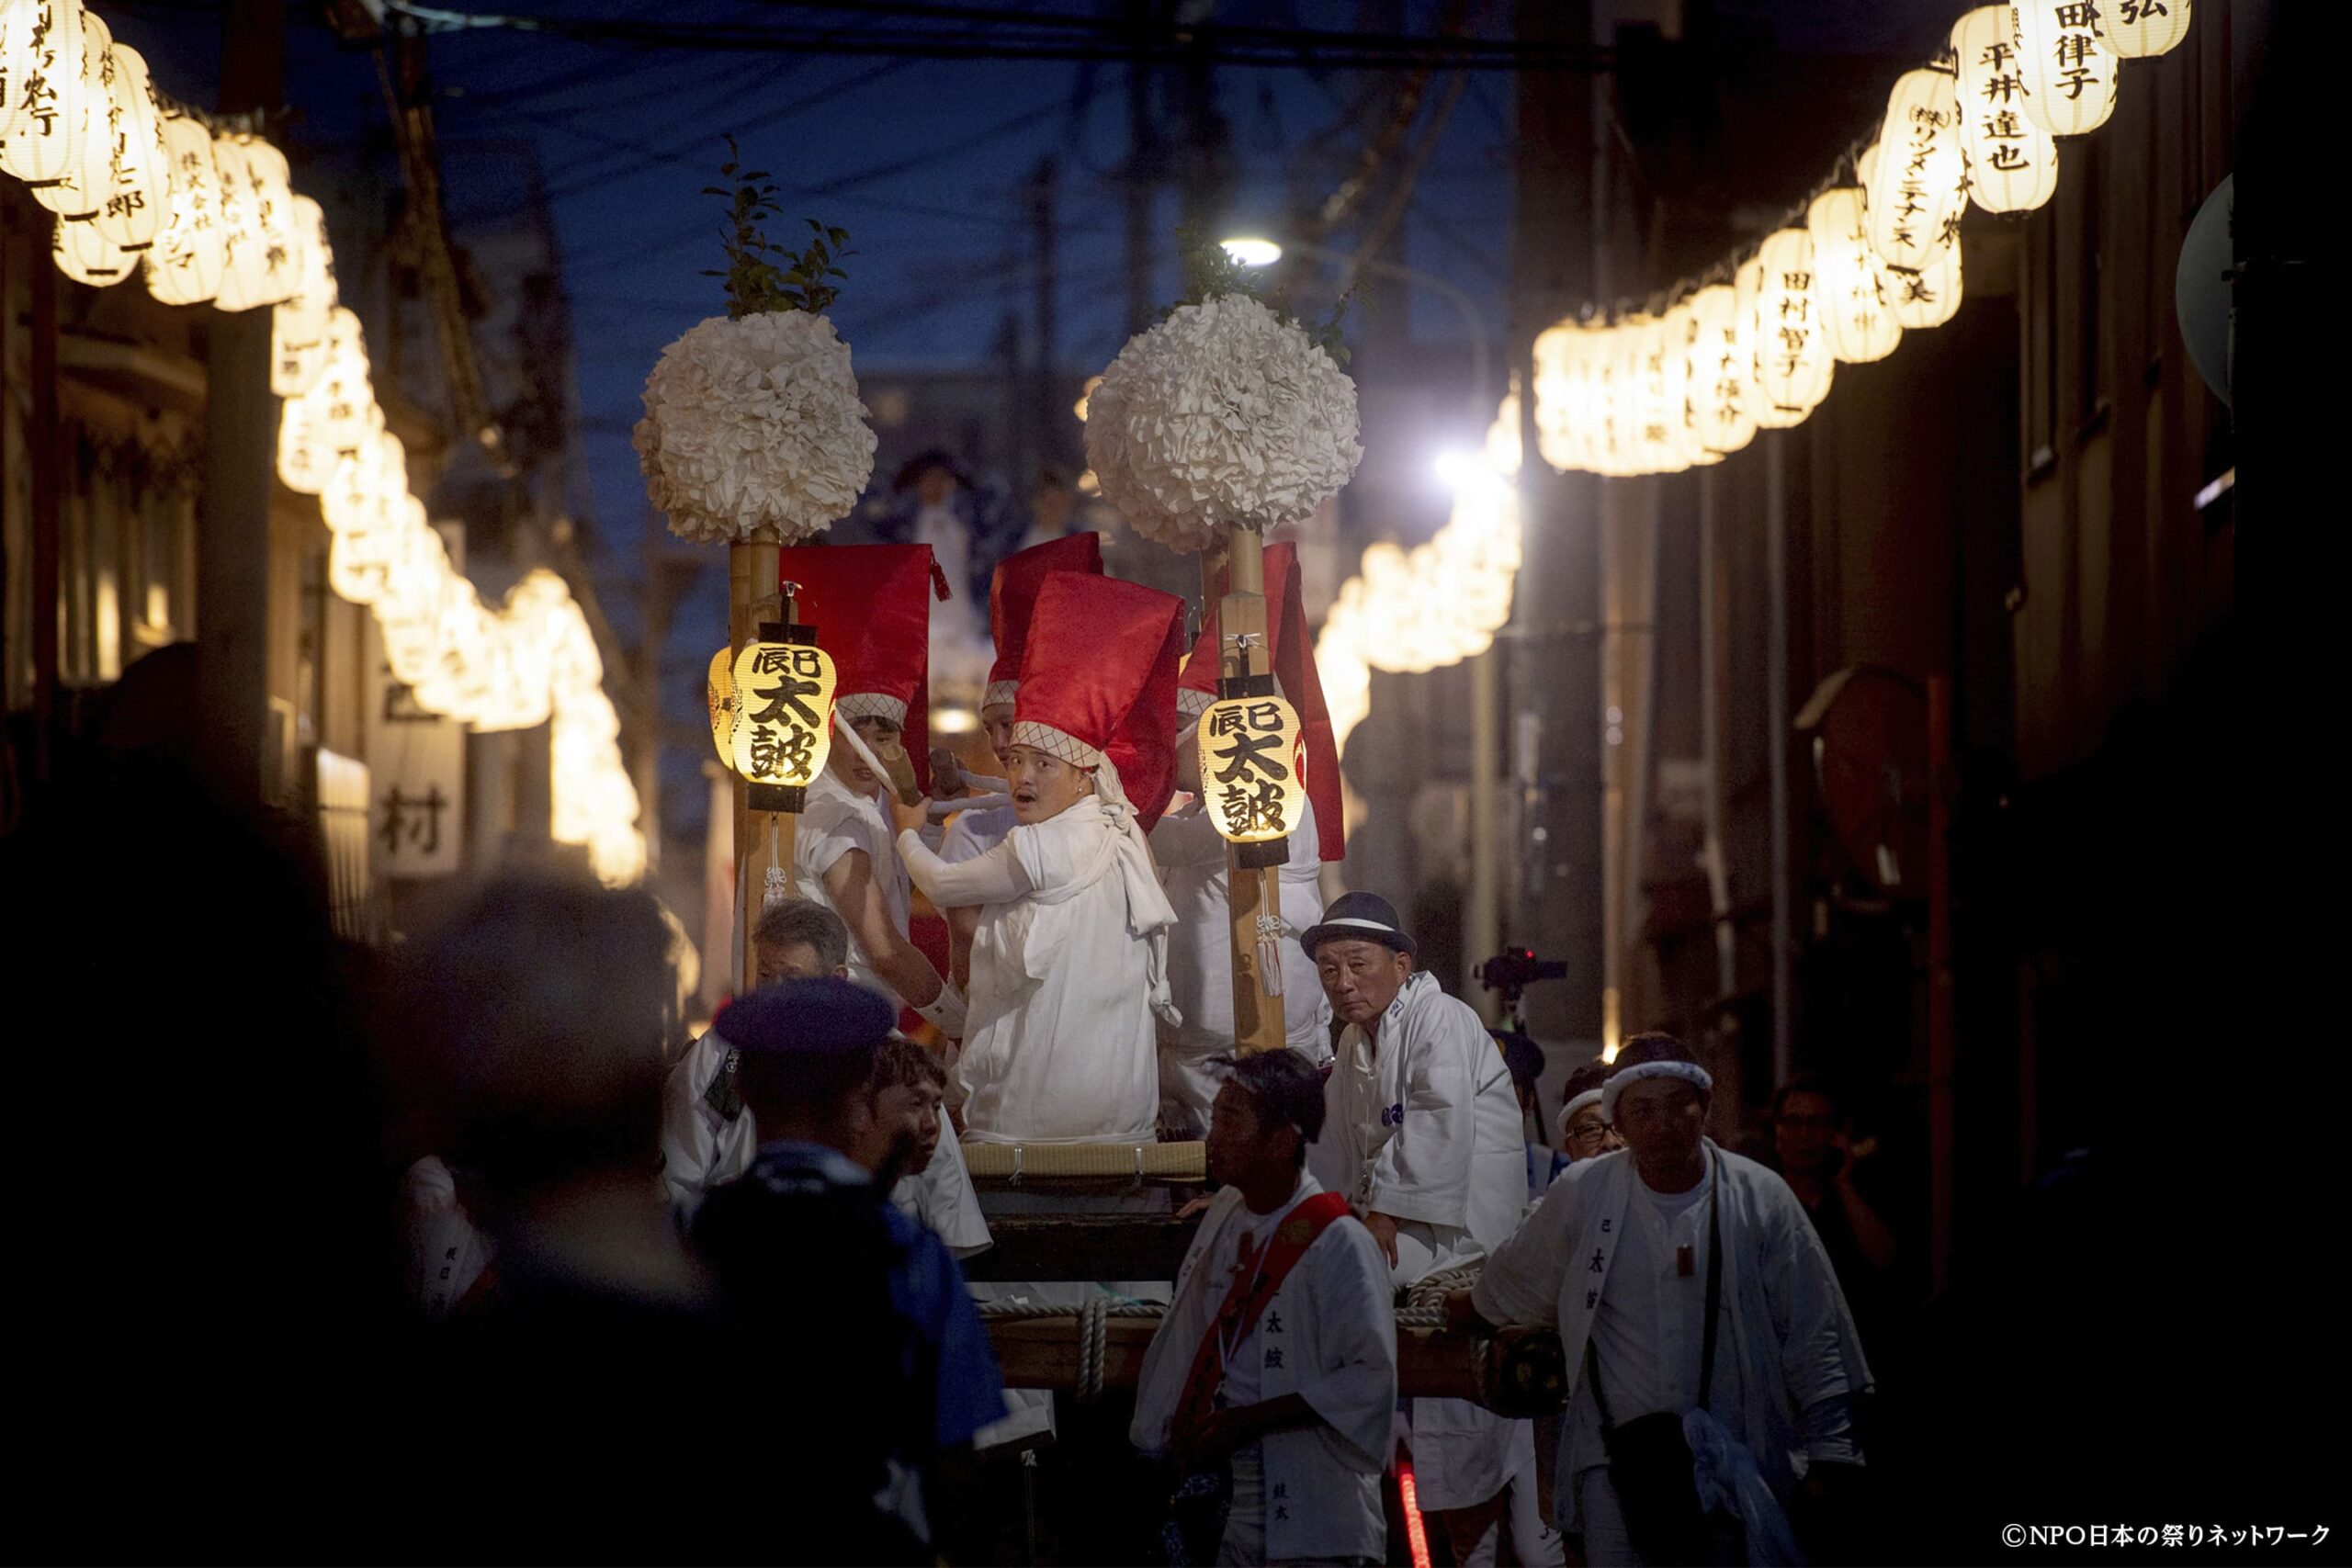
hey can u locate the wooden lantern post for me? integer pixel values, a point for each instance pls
(1253, 872)
(762, 838)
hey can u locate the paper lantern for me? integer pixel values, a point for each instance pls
(82, 254)
(2139, 29)
(1690, 365)
(1723, 375)
(1793, 365)
(132, 198)
(1652, 365)
(719, 695)
(302, 467)
(1849, 284)
(2068, 69)
(1929, 297)
(41, 56)
(284, 243)
(783, 729)
(251, 270)
(184, 265)
(2012, 161)
(88, 142)
(297, 327)
(1252, 754)
(1563, 396)
(344, 394)
(1915, 192)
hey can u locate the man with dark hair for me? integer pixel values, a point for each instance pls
(1272, 1383)
(1637, 1262)
(910, 1083)
(899, 1337)
(706, 1139)
(1816, 1158)
(1585, 1132)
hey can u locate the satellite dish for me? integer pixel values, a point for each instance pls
(2201, 293)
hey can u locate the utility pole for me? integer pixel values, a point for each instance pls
(239, 445)
(1555, 677)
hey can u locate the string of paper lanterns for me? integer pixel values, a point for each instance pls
(1872, 255)
(208, 214)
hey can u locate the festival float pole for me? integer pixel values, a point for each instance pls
(1253, 872)
(762, 838)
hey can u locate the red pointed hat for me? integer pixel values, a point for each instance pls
(1012, 593)
(1098, 681)
(871, 606)
(1292, 654)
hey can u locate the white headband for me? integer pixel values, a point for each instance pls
(1055, 743)
(1689, 1072)
(1000, 694)
(871, 705)
(1589, 1097)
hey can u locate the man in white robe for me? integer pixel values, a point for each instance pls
(1069, 958)
(1295, 1394)
(1425, 1139)
(1616, 1258)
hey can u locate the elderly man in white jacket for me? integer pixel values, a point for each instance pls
(1425, 1140)
(1276, 1364)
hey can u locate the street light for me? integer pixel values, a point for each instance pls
(1250, 250)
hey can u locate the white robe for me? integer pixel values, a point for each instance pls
(1336, 1347)
(1423, 1124)
(701, 1148)
(941, 1196)
(1065, 966)
(1200, 959)
(1789, 1342)
(838, 820)
(448, 1252)
(974, 833)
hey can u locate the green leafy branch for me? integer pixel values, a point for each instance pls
(761, 274)
(1211, 272)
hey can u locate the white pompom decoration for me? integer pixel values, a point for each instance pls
(1222, 413)
(753, 428)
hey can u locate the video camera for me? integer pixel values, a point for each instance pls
(1511, 971)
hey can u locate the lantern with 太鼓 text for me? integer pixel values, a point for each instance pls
(1793, 366)
(184, 265)
(1252, 755)
(2012, 161)
(783, 730)
(40, 68)
(1916, 192)
(2068, 69)
(1722, 376)
(1849, 283)
(2140, 30)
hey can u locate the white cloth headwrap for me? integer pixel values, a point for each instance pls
(871, 705)
(1689, 1072)
(1589, 1097)
(1000, 694)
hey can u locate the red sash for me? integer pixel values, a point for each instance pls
(1246, 1298)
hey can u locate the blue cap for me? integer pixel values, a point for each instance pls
(824, 1017)
(1359, 917)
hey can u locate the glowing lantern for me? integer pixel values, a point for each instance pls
(184, 265)
(2069, 72)
(1563, 396)
(1252, 754)
(1722, 371)
(782, 726)
(301, 458)
(297, 328)
(2138, 29)
(2012, 161)
(1685, 346)
(1793, 365)
(256, 208)
(82, 254)
(1655, 412)
(1850, 286)
(132, 196)
(87, 142)
(41, 56)
(719, 690)
(344, 393)
(1915, 190)
(1929, 297)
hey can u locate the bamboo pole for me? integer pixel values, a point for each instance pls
(762, 838)
(1253, 888)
